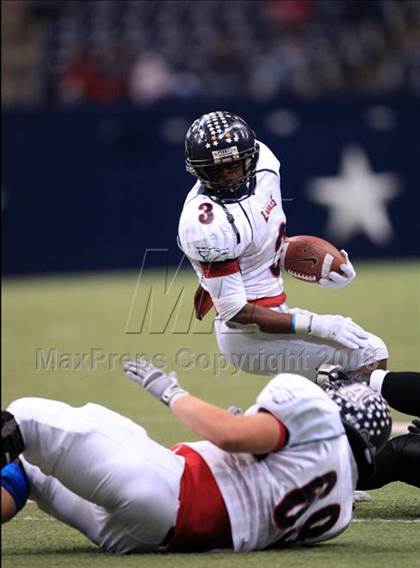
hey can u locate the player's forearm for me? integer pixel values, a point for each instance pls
(267, 320)
(8, 506)
(205, 419)
(255, 434)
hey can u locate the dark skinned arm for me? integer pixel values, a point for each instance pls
(267, 320)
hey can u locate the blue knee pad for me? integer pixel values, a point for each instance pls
(14, 480)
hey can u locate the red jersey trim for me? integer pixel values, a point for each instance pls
(222, 268)
(271, 302)
(283, 432)
(283, 435)
(202, 302)
(202, 522)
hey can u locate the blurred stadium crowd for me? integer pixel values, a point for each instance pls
(107, 51)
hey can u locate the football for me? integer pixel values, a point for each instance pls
(310, 258)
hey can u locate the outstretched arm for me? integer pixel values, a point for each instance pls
(258, 434)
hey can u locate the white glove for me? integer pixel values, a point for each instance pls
(334, 328)
(160, 385)
(336, 280)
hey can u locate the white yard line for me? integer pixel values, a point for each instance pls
(38, 519)
(386, 521)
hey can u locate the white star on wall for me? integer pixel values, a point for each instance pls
(356, 198)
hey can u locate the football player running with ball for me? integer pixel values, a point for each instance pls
(232, 228)
(281, 474)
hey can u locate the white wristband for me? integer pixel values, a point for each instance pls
(302, 323)
(176, 397)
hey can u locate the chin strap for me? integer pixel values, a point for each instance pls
(362, 451)
(230, 218)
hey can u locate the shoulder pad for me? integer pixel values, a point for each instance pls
(303, 407)
(204, 232)
(267, 160)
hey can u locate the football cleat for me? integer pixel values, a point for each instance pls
(331, 376)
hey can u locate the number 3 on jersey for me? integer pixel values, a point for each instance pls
(275, 267)
(207, 216)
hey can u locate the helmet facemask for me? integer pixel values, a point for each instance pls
(226, 190)
(219, 139)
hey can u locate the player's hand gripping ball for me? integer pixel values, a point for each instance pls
(313, 259)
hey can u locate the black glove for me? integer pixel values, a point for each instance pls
(414, 427)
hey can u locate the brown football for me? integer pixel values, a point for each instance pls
(310, 258)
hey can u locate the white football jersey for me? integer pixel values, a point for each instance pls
(300, 494)
(207, 237)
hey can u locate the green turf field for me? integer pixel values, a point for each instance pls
(64, 338)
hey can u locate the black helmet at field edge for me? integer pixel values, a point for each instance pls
(218, 142)
(367, 420)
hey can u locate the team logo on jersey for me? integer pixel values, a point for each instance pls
(209, 253)
(220, 156)
(268, 207)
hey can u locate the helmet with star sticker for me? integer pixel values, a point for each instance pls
(367, 421)
(222, 152)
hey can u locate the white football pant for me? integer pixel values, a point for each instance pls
(260, 353)
(100, 473)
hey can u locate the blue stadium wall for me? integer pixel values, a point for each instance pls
(92, 188)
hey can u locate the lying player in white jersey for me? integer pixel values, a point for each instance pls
(231, 228)
(282, 474)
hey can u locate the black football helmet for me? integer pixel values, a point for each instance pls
(217, 139)
(367, 421)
